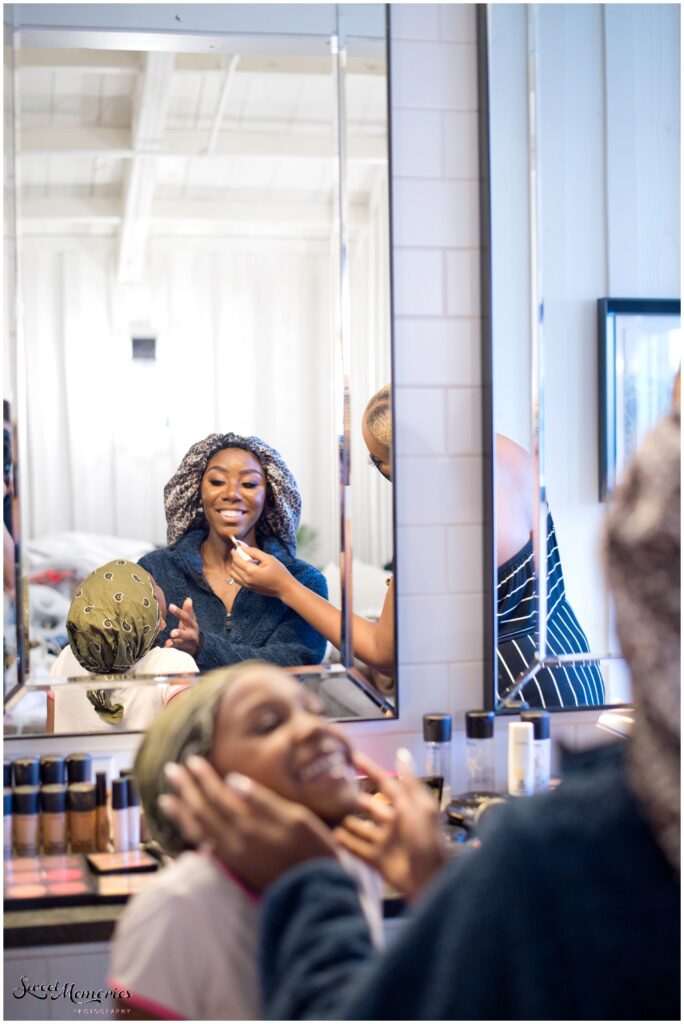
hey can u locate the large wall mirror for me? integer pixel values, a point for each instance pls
(203, 246)
(584, 176)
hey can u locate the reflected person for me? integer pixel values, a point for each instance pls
(572, 686)
(113, 624)
(229, 486)
(373, 641)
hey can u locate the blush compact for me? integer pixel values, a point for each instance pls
(47, 882)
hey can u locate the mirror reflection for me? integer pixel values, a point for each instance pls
(179, 234)
(587, 207)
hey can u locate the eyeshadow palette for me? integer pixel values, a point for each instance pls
(122, 862)
(66, 880)
(117, 888)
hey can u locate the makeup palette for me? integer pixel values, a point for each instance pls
(123, 861)
(47, 882)
(67, 880)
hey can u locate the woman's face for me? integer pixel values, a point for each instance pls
(233, 493)
(270, 728)
(379, 453)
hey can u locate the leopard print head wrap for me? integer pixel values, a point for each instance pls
(280, 517)
(642, 543)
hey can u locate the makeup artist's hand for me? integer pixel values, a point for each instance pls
(265, 574)
(258, 834)
(401, 838)
(187, 636)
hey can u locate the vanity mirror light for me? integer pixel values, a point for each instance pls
(582, 190)
(203, 246)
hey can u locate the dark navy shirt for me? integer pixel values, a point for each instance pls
(258, 626)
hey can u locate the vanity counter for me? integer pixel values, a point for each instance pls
(57, 926)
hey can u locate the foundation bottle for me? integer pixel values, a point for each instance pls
(27, 771)
(52, 770)
(82, 815)
(133, 814)
(79, 768)
(26, 820)
(7, 823)
(120, 814)
(101, 813)
(53, 818)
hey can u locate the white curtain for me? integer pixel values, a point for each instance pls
(243, 344)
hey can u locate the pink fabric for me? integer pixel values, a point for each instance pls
(173, 691)
(248, 891)
(148, 1005)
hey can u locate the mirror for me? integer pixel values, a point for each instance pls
(584, 176)
(203, 232)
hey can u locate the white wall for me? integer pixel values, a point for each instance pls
(437, 370)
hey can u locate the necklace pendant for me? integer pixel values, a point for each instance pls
(230, 581)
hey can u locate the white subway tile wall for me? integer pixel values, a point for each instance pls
(435, 195)
(437, 358)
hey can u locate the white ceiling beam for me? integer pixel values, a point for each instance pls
(165, 213)
(99, 62)
(131, 62)
(149, 117)
(116, 143)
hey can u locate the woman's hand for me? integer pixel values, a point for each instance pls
(258, 834)
(187, 636)
(264, 574)
(402, 838)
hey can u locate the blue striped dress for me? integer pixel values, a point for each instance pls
(566, 686)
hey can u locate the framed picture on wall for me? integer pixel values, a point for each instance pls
(639, 353)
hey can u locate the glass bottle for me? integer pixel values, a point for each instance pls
(480, 751)
(437, 751)
(541, 745)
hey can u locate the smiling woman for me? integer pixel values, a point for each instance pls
(231, 488)
(252, 717)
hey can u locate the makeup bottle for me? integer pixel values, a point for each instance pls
(437, 751)
(79, 768)
(101, 813)
(541, 725)
(133, 814)
(81, 803)
(27, 771)
(26, 820)
(7, 823)
(7, 774)
(480, 751)
(53, 818)
(52, 770)
(520, 759)
(120, 814)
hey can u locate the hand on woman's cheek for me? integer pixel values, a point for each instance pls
(187, 636)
